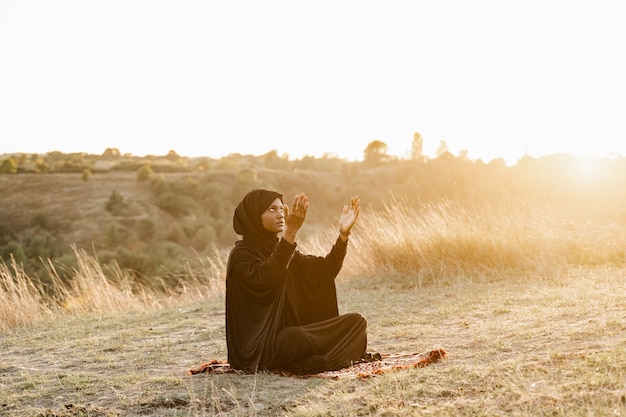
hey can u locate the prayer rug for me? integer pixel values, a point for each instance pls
(364, 369)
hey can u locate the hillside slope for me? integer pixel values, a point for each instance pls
(73, 209)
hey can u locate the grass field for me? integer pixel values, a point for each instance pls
(537, 328)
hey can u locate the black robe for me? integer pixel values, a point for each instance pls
(281, 309)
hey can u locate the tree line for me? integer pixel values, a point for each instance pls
(193, 198)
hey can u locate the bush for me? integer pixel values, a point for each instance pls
(166, 258)
(146, 229)
(115, 234)
(9, 166)
(145, 172)
(13, 249)
(42, 221)
(42, 246)
(115, 204)
(203, 238)
(6, 234)
(175, 204)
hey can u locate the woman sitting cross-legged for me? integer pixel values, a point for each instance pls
(281, 304)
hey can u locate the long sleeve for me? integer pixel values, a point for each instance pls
(255, 294)
(311, 290)
(247, 265)
(327, 267)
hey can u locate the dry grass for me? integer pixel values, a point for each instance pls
(538, 330)
(93, 290)
(556, 347)
(21, 302)
(448, 240)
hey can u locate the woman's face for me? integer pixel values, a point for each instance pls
(273, 219)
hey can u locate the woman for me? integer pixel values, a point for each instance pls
(281, 305)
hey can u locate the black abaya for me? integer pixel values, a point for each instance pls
(281, 305)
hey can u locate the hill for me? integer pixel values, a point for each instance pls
(69, 206)
(147, 215)
(139, 223)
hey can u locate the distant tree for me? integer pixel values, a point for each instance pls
(172, 156)
(56, 155)
(306, 162)
(231, 161)
(86, 174)
(497, 163)
(273, 160)
(375, 152)
(41, 165)
(115, 204)
(111, 153)
(145, 172)
(74, 162)
(9, 166)
(417, 147)
(442, 150)
(203, 165)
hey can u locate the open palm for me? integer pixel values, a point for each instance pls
(349, 214)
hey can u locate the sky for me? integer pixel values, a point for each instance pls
(210, 78)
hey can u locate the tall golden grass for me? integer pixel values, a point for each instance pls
(437, 242)
(417, 245)
(90, 289)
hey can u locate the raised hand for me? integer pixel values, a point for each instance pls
(349, 215)
(295, 216)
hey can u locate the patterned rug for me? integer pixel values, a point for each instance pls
(365, 369)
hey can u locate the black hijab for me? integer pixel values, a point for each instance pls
(247, 218)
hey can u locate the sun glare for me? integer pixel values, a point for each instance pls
(588, 168)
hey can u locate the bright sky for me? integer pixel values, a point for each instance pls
(497, 78)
